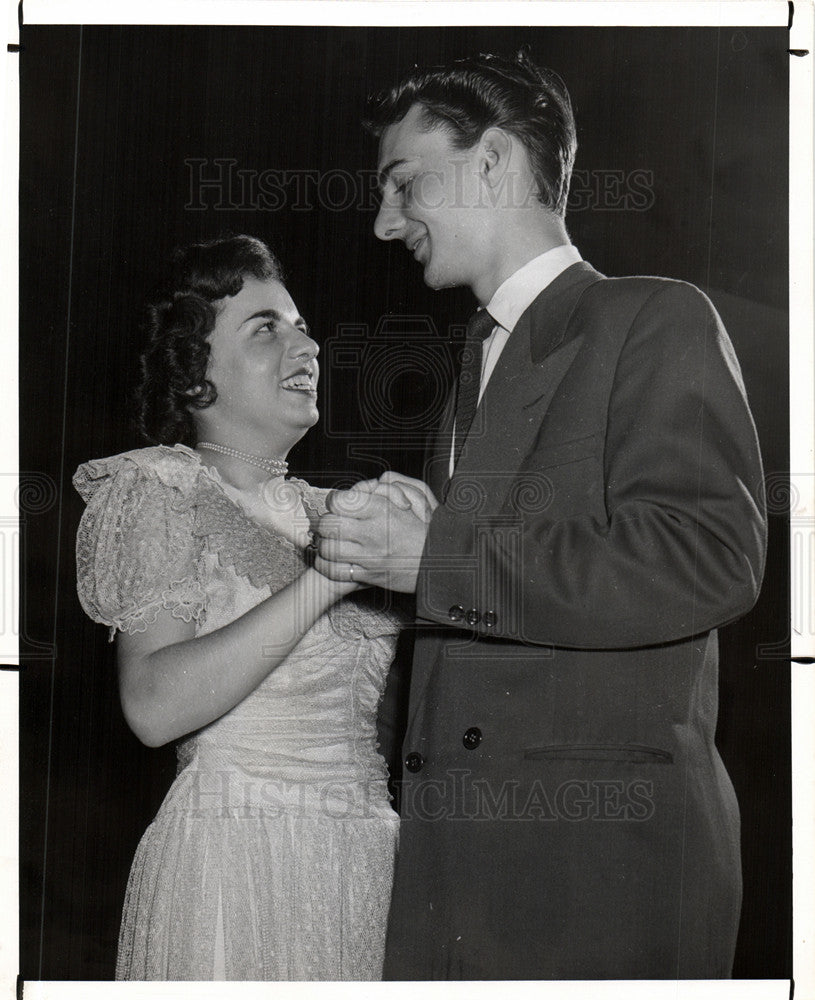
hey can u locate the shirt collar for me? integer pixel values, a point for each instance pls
(520, 290)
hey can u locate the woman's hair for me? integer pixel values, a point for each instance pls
(468, 96)
(173, 379)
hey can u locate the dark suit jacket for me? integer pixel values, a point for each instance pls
(565, 813)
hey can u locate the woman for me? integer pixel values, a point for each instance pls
(271, 856)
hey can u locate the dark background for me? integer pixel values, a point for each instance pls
(681, 171)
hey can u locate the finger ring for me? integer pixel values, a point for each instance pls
(351, 572)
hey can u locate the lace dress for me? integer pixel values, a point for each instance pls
(272, 855)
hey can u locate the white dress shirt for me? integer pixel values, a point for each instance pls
(511, 300)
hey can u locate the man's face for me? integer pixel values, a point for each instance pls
(433, 201)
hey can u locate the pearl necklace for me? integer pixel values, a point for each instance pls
(274, 466)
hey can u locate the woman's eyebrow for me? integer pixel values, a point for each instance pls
(263, 314)
(277, 317)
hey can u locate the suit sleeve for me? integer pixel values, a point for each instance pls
(680, 548)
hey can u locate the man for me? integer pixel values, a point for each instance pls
(565, 813)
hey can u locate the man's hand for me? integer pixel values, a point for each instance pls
(376, 532)
(404, 492)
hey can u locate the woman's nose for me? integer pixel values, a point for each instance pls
(303, 346)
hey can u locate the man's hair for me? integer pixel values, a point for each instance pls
(471, 95)
(179, 321)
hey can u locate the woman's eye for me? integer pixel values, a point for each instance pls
(268, 327)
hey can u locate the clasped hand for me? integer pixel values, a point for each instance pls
(375, 532)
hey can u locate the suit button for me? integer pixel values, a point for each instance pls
(473, 617)
(456, 613)
(472, 738)
(414, 762)
(490, 618)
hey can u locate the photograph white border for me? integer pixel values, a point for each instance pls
(802, 457)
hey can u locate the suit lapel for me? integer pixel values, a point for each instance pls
(536, 357)
(438, 459)
(533, 363)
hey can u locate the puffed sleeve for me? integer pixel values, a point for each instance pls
(136, 552)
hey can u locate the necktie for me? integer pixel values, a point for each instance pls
(479, 327)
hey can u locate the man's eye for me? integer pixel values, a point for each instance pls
(268, 327)
(404, 186)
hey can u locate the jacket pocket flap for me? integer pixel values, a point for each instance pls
(632, 753)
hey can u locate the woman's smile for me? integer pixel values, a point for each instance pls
(303, 381)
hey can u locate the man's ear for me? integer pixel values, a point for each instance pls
(496, 147)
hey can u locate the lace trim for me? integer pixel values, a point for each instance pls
(252, 551)
(313, 499)
(184, 599)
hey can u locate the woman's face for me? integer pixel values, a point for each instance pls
(264, 366)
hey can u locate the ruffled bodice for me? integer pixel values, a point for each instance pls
(276, 839)
(159, 530)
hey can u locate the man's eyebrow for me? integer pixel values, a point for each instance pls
(385, 171)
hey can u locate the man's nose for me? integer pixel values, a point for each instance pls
(389, 222)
